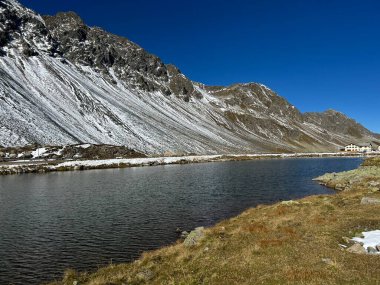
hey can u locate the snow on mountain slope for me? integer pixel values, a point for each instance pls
(56, 103)
(63, 83)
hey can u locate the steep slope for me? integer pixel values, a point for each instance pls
(64, 82)
(337, 122)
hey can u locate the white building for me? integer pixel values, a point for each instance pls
(367, 147)
(351, 147)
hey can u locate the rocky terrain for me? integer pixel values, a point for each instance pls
(63, 82)
(67, 152)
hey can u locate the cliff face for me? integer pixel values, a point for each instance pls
(64, 82)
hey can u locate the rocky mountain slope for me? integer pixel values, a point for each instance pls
(63, 82)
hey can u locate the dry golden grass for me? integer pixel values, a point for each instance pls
(285, 243)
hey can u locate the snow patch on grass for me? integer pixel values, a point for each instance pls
(370, 239)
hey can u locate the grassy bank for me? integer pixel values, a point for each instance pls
(365, 178)
(293, 242)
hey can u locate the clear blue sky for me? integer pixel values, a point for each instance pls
(319, 54)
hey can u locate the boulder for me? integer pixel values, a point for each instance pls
(290, 202)
(184, 234)
(12, 155)
(194, 237)
(28, 155)
(328, 261)
(370, 201)
(373, 189)
(372, 250)
(145, 275)
(347, 240)
(340, 186)
(374, 183)
(357, 248)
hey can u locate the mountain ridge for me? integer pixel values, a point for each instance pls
(64, 82)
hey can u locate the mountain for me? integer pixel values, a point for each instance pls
(63, 82)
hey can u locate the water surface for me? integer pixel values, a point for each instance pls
(83, 220)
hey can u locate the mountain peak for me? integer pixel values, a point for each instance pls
(67, 24)
(23, 31)
(334, 112)
(10, 3)
(66, 20)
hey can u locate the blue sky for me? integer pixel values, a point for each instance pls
(319, 55)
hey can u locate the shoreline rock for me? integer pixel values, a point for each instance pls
(194, 237)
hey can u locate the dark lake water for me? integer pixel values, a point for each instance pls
(83, 220)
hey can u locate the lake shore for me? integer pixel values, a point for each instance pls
(304, 241)
(45, 166)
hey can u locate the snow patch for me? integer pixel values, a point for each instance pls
(370, 239)
(87, 145)
(136, 161)
(39, 152)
